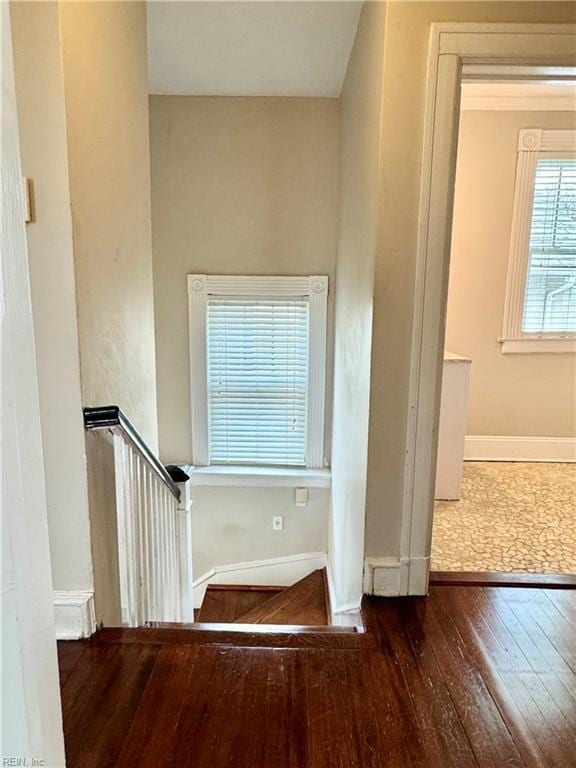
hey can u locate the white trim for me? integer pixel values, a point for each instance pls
(281, 571)
(197, 296)
(532, 143)
(318, 293)
(519, 96)
(74, 614)
(539, 345)
(396, 576)
(452, 46)
(315, 287)
(348, 615)
(260, 477)
(506, 448)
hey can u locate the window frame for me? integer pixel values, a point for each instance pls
(533, 144)
(200, 289)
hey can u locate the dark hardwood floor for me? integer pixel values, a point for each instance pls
(223, 603)
(471, 676)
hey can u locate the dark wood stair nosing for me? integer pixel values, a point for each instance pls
(279, 637)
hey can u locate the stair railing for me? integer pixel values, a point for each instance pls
(153, 522)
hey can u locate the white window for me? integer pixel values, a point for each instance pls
(540, 308)
(258, 359)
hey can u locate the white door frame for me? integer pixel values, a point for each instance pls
(452, 46)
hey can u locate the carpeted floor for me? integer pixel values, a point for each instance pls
(511, 517)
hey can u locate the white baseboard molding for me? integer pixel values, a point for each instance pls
(283, 571)
(396, 576)
(498, 448)
(74, 614)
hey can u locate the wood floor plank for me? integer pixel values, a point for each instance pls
(439, 725)
(96, 726)
(228, 604)
(69, 653)
(471, 677)
(534, 719)
(302, 603)
(487, 731)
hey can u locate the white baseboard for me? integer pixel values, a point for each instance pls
(396, 576)
(497, 448)
(283, 571)
(74, 614)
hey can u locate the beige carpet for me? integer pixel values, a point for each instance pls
(511, 517)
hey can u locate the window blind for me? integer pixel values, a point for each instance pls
(257, 381)
(550, 295)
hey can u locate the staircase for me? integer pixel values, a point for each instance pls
(305, 603)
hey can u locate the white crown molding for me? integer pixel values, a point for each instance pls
(282, 571)
(525, 97)
(512, 448)
(74, 614)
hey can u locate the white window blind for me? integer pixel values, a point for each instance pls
(550, 295)
(257, 355)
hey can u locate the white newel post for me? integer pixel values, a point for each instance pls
(185, 531)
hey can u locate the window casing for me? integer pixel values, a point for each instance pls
(540, 305)
(258, 360)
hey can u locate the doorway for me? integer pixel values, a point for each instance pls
(456, 50)
(506, 478)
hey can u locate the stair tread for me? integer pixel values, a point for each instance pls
(225, 603)
(304, 603)
(238, 636)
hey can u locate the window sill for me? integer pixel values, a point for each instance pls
(260, 477)
(538, 345)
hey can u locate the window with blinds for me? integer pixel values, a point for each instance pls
(550, 292)
(257, 356)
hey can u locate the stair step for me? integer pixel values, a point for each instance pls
(227, 602)
(239, 636)
(304, 603)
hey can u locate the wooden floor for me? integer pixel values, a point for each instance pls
(471, 676)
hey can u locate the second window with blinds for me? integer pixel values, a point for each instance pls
(540, 307)
(258, 359)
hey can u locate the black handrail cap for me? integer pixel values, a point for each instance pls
(177, 473)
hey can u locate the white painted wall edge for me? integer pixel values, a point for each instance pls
(502, 448)
(74, 614)
(283, 571)
(347, 615)
(396, 576)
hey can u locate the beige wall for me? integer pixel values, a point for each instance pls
(105, 70)
(358, 209)
(105, 77)
(406, 46)
(239, 186)
(42, 124)
(234, 525)
(530, 395)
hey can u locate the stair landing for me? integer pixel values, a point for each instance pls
(305, 603)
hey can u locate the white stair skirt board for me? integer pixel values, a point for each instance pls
(282, 571)
(396, 576)
(342, 615)
(74, 614)
(499, 448)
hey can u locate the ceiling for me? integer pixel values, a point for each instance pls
(249, 48)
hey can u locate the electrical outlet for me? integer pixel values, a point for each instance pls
(277, 523)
